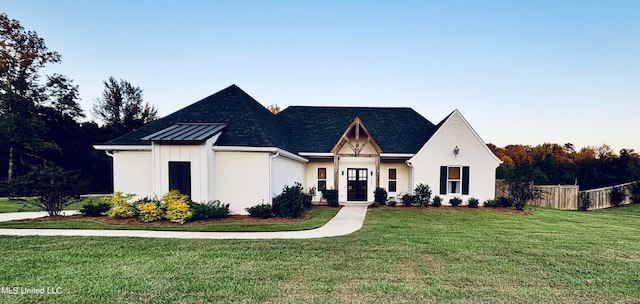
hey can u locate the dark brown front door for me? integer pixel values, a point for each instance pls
(357, 185)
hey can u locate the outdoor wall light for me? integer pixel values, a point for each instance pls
(371, 173)
(456, 151)
(342, 172)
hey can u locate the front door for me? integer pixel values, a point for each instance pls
(357, 185)
(180, 177)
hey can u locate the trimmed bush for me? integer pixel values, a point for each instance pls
(122, 205)
(209, 210)
(504, 202)
(149, 212)
(422, 195)
(331, 196)
(262, 211)
(437, 201)
(407, 200)
(91, 209)
(391, 203)
(380, 196)
(456, 201)
(473, 202)
(177, 206)
(291, 203)
(491, 203)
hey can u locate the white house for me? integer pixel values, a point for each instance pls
(230, 148)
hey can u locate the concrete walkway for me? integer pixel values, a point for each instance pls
(348, 220)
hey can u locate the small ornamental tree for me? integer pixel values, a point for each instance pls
(50, 188)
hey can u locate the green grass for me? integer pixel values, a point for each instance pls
(399, 256)
(317, 218)
(7, 205)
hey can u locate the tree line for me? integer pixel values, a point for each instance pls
(552, 164)
(43, 129)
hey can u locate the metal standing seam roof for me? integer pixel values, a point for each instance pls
(187, 132)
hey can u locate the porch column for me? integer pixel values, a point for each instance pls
(336, 170)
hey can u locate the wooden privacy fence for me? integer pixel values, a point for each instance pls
(568, 197)
(563, 197)
(601, 198)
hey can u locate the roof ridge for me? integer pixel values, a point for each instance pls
(255, 120)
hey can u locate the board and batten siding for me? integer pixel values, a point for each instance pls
(242, 179)
(473, 152)
(132, 172)
(195, 154)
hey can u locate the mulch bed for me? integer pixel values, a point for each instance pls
(137, 222)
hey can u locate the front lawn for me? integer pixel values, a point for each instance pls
(7, 205)
(399, 256)
(314, 218)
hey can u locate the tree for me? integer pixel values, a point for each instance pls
(50, 187)
(22, 55)
(121, 107)
(274, 108)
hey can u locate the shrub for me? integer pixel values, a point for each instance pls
(149, 212)
(380, 196)
(391, 203)
(262, 211)
(634, 190)
(209, 210)
(473, 202)
(407, 200)
(177, 206)
(331, 196)
(292, 202)
(456, 201)
(491, 203)
(422, 195)
(585, 201)
(617, 195)
(504, 202)
(437, 201)
(91, 209)
(122, 205)
(374, 205)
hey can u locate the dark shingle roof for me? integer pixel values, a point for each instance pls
(318, 129)
(295, 129)
(248, 122)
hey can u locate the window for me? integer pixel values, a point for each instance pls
(454, 180)
(392, 180)
(322, 179)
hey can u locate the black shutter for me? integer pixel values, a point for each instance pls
(465, 180)
(443, 179)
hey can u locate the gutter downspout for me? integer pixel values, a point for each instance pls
(410, 178)
(109, 153)
(271, 174)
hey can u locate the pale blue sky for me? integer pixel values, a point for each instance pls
(520, 71)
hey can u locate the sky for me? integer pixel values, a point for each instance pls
(521, 72)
